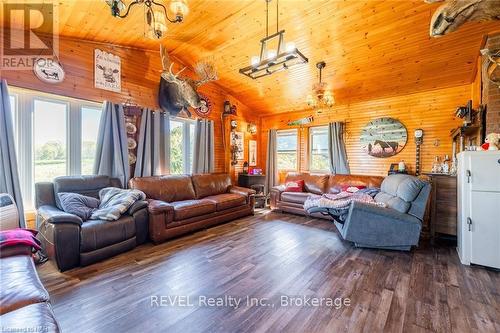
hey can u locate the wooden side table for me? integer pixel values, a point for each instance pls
(443, 217)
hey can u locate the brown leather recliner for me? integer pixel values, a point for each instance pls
(179, 204)
(24, 302)
(315, 184)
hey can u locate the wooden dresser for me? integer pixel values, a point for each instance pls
(443, 217)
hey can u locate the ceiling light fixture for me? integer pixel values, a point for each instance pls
(155, 14)
(322, 97)
(273, 60)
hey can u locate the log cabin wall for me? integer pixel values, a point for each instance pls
(140, 81)
(432, 111)
(491, 92)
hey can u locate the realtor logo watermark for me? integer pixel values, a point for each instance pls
(236, 302)
(29, 33)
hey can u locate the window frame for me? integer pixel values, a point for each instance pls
(186, 144)
(24, 130)
(297, 162)
(310, 150)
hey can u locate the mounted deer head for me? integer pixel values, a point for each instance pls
(453, 13)
(176, 93)
(491, 67)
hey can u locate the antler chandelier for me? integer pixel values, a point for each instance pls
(322, 97)
(273, 60)
(155, 14)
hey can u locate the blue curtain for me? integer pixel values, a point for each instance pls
(272, 176)
(9, 175)
(204, 147)
(111, 152)
(336, 149)
(153, 151)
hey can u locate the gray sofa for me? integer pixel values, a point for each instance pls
(396, 227)
(71, 242)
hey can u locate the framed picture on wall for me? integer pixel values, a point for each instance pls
(107, 71)
(252, 153)
(237, 140)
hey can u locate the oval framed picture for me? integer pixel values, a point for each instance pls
(205, 108)
(48, 70)
(383, 137)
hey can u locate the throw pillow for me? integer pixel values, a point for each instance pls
(352, 188)
(294, 186)
(77, 204)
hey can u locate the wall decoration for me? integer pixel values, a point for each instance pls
(302, 121)
(383, 137)
(205, 106)
(237, 142)
(179, 93)
(107, 71)
(48, 70)
(252, 153)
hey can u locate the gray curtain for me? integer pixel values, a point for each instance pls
(153, 150)
(111, 157)
(336, 149)
(204, 149)
(9, 175)
(271, 161)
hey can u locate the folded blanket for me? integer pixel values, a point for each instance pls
(337, 205)
(115, 202)
(19, 237)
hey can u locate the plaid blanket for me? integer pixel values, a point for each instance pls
(19, 237)
(337, 205)
(115, 202)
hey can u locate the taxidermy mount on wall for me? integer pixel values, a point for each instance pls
(453, 13)
(177, 94)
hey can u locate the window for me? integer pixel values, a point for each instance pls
(49, 140)
(181, 145)
(90, 128)
(287, 149)
(318, 153)
(55, 136)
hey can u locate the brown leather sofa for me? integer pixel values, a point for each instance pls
(315, 184)
(179, 204)
(24, 302)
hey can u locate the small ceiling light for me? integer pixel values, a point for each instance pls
(322, 98)
(273, 60)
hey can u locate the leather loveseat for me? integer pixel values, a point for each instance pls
(71, 242)
(315, 184)
(179, 204)
(24, 302)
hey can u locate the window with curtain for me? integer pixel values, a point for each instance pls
(181, 145)
(286, 147)
(318, 149)
(55, 136)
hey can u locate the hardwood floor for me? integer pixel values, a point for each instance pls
(269, 256)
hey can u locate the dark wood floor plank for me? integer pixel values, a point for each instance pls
(270, 256)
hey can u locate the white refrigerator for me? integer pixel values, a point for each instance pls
(478, 230)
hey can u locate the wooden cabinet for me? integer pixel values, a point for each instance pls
(443, 204)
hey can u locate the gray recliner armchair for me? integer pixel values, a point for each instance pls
(71, 242)
(395, 227)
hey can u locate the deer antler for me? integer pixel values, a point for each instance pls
(168, 65)
(206, 72)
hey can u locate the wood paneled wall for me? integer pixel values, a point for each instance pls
(432, 111)
(140, 81)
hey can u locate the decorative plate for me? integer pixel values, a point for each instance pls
(48, 70)
(131, 143)
(131, 129)
(383, 137)
(205, 108)
(131, 158)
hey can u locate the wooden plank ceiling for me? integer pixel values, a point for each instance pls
(372, 48)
